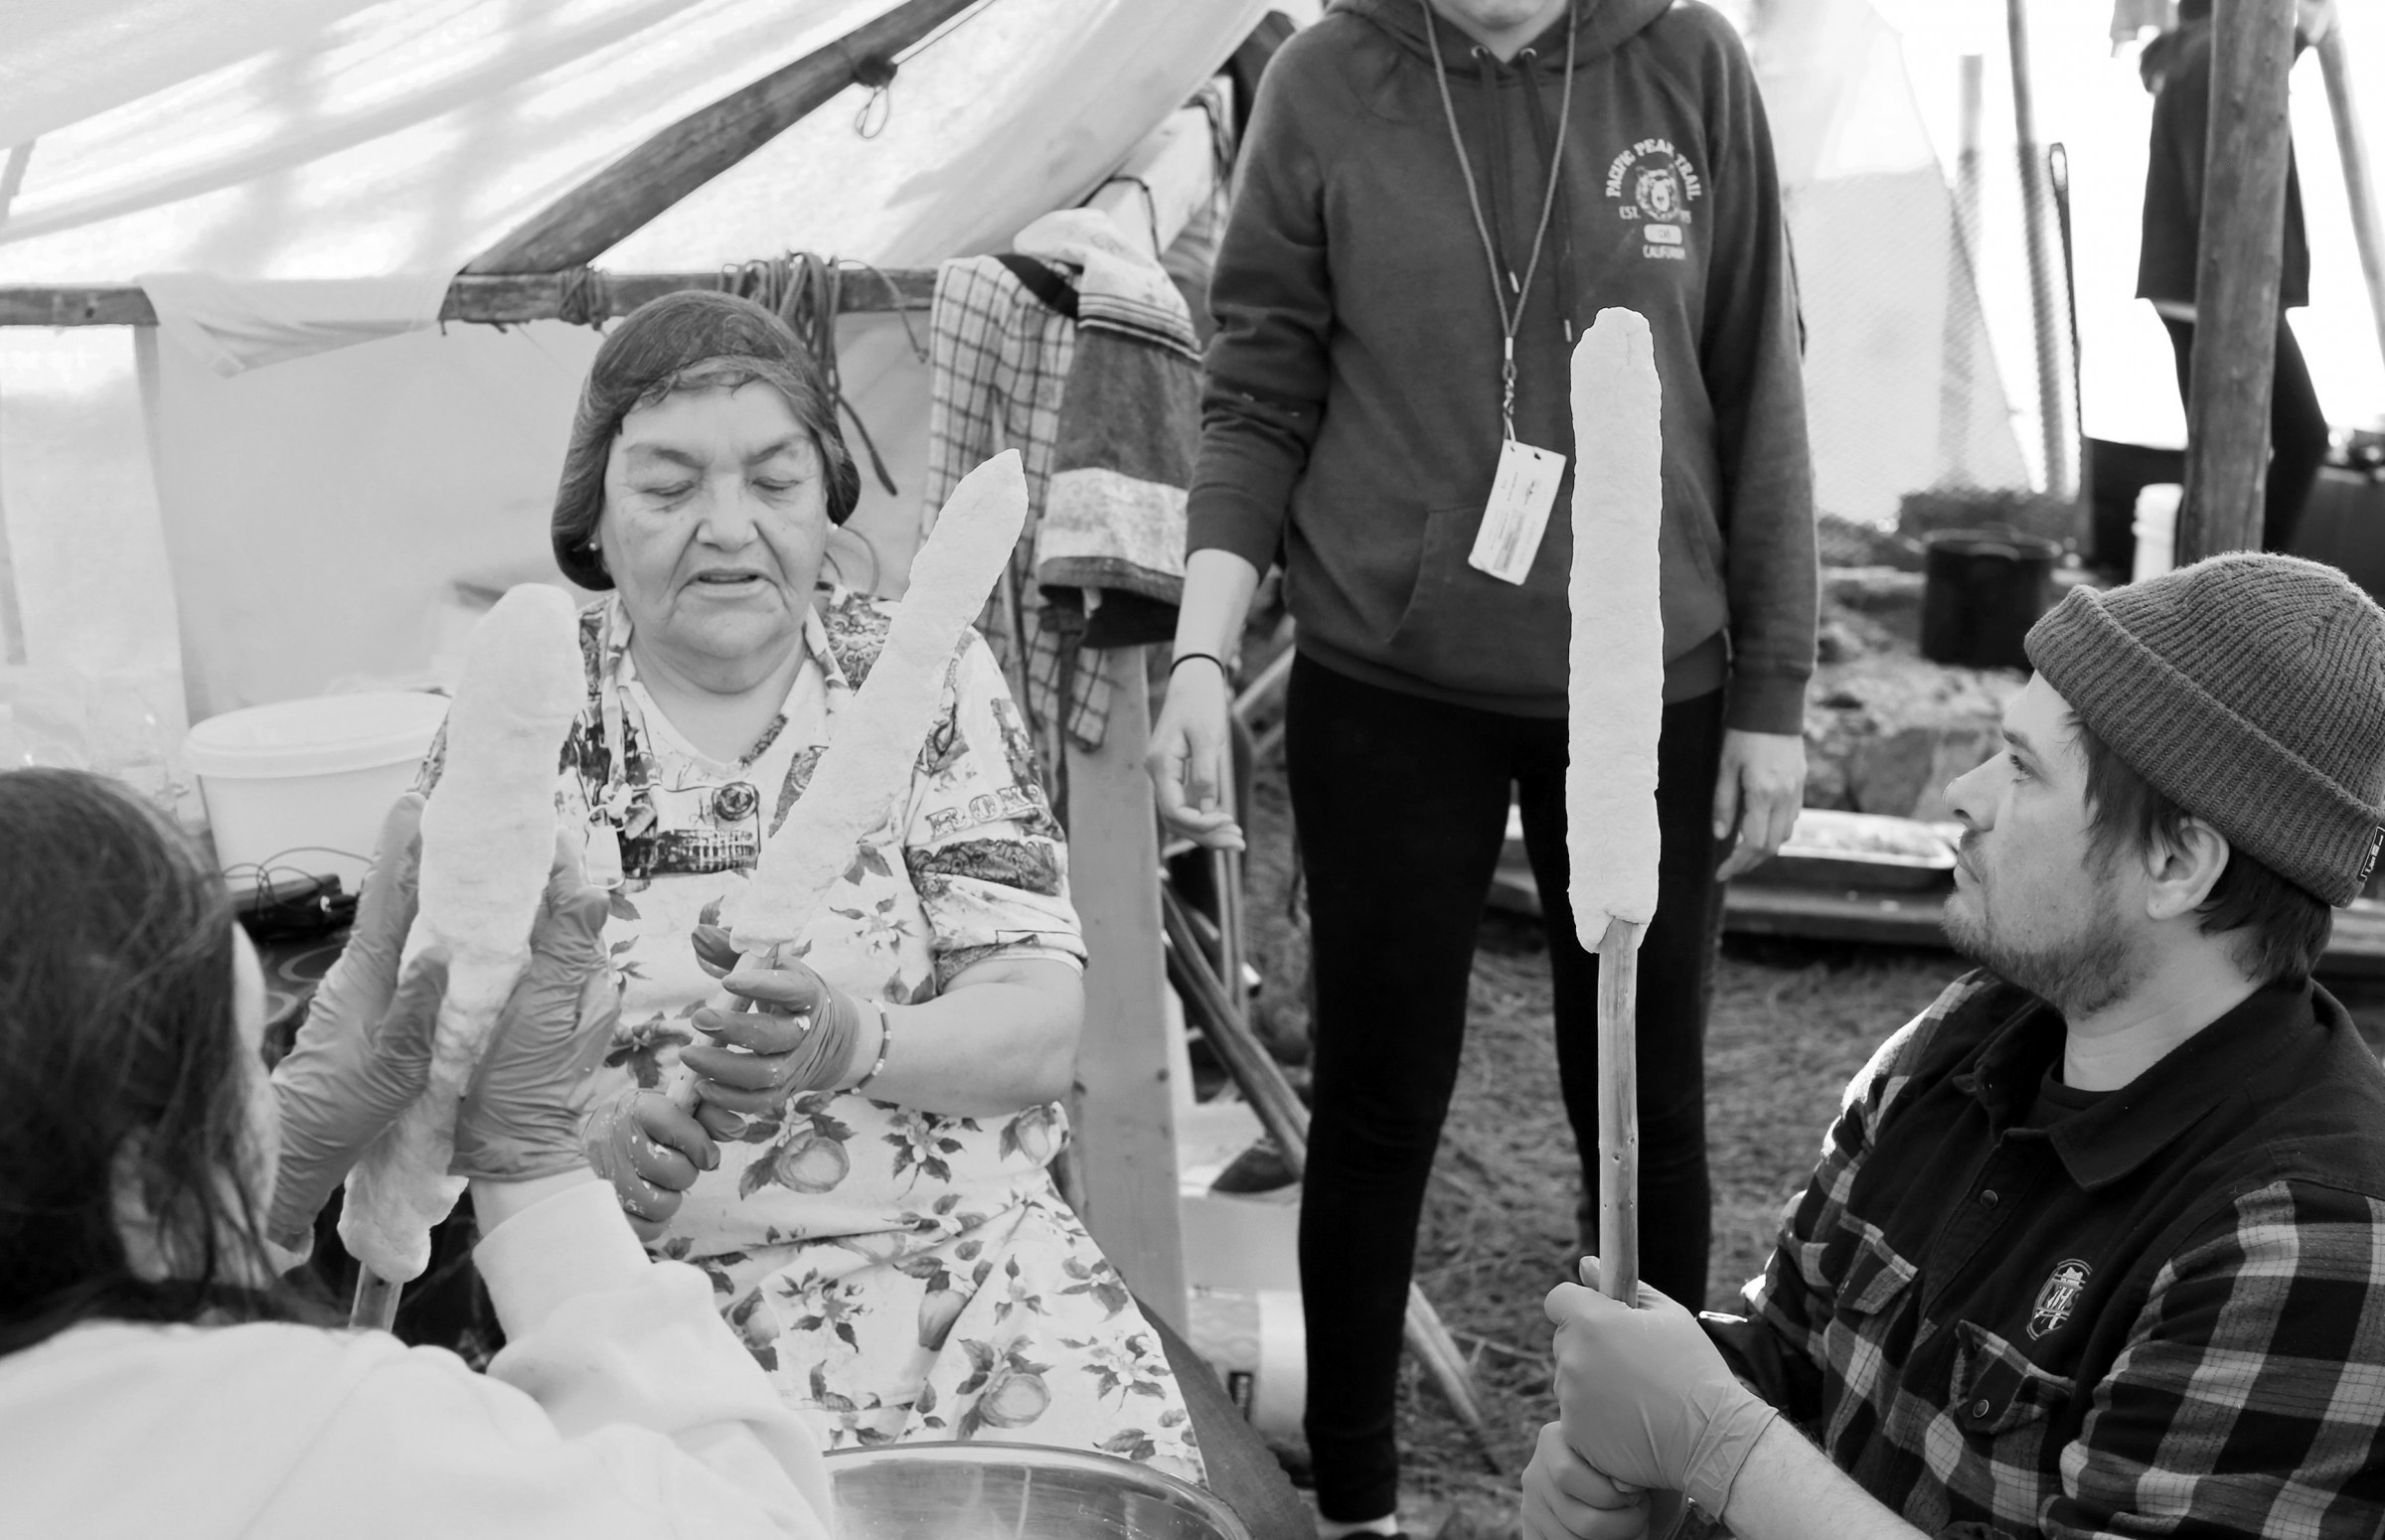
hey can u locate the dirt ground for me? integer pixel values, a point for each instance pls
(1790, 1026)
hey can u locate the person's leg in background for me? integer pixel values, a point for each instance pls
(2181, 348)
(1677, 976)
(2298, 443)
(1401, 806)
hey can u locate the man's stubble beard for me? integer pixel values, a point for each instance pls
(2078, 975)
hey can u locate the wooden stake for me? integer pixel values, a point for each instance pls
(2235, 283)
(374, 1308)
(1619, 1113)
(2352, 148)
(2046, 307)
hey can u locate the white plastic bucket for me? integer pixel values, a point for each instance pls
(300, 787)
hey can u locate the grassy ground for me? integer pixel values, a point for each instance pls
(1790, 1026)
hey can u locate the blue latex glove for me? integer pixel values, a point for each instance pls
(520, 1116)
(364, 1052)
(1646, 1398)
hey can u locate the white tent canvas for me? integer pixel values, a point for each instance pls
(297, 180)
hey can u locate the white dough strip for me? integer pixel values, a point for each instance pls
(488, 845)
(876, 736)
(1615, 707)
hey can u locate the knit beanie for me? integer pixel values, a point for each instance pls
(2249, 690)
(683, 333)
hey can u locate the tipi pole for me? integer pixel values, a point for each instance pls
(2360, 188)
(2236, 284)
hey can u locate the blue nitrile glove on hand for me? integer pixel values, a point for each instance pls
(1646, 1399)
(520, 1116)
(650, 1151)
(364, 1052)
(1566, 1499)
(800, 1037)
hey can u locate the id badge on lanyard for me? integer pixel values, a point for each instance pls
(1524, 487)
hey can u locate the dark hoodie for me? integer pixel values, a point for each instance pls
(1350, 418)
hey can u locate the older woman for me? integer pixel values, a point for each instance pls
(877, 1218)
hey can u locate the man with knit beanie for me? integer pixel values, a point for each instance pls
(2096, 1245)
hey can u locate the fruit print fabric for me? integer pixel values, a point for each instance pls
(899, 1274)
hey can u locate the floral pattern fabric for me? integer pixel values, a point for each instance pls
(899, 1274)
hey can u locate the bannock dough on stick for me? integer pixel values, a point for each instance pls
(488, 845)
(1616, 664)
(877, 735)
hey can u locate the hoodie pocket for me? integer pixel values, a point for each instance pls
(1466, 630)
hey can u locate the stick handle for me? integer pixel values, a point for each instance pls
(1617, 1112)
(374, 1308)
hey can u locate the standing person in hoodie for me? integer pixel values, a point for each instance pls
(1425, 193)
(154, 1380)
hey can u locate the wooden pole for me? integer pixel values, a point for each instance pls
(502, 299)
(2359, 187)
(1619, 1114)
(2044, 307)
(374, 1308)
(1957, 346)
(2236, 284)
(1126, 1138)
(598, 215)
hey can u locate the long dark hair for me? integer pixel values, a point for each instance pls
(118, 1045)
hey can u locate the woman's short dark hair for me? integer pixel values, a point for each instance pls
(2281, 930)
(691, 340)
(120, 1047)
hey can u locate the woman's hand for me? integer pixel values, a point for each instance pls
(1757, 791)
(805, 1036)
(1191, 755)
(364, 1053)
(1566, 1499)
(650, 1152)
(520, 1116)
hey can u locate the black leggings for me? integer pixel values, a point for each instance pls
(1401, 805)
(2298, 429)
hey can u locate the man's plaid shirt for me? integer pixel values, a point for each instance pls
(2161, 1314)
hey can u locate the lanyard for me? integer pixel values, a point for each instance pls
(1509, 320)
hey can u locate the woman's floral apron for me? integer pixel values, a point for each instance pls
(899, 1275)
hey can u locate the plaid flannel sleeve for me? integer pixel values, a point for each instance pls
(1782, 1347)
(2250, 1399)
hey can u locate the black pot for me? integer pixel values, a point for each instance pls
(1982, 590)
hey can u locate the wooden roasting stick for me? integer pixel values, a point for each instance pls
(877, 735)
(488, 845)
(1614, 708)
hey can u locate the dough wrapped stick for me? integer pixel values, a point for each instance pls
(1615, 701)
(876, 736)
(488, 845)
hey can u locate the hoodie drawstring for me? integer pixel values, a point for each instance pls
(1495, 139)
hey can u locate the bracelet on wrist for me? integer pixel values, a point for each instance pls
(1183, 658)
(885, 1037)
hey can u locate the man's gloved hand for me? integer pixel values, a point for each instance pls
(1566, 1499)
(1646, 1399)
(801, 1038)
(520, 1116)
(364, 1052)
(650, 1152)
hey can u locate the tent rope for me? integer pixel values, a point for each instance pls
(806, 291)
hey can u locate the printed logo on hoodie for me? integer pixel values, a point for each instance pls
(1654, 184)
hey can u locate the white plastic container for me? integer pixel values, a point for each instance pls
(2156, 530)
(300, 787)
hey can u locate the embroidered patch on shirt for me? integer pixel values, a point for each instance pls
(2059, 1296)
(1008, 802)
(1654, 184)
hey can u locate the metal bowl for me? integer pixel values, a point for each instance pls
(1014, 1491)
